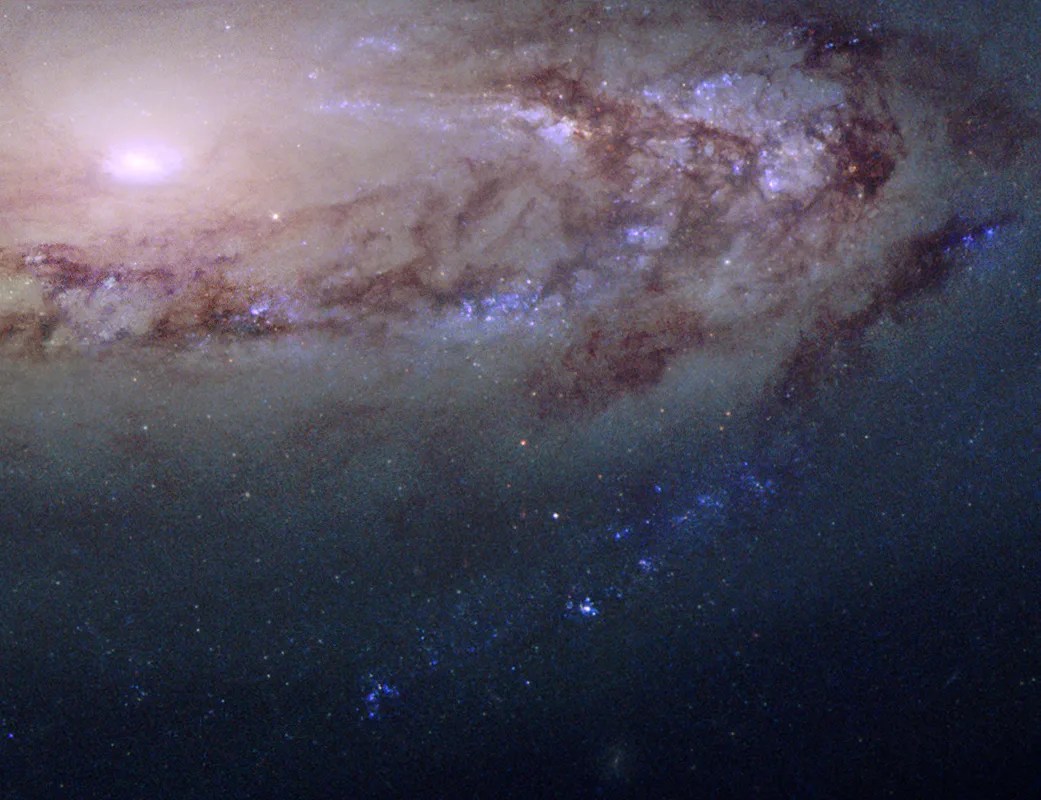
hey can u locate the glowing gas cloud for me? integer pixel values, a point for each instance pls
(605, 203)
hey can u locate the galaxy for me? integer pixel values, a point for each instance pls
(438, 398)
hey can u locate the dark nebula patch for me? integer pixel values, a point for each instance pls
(994, 128)
(608, 361)
(401, 393)
(921, 266)
(679, 211)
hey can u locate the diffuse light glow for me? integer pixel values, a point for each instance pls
(628, 220)
(142, 163)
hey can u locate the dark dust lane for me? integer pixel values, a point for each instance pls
(383, 351)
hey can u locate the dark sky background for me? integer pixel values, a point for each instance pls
(573, 400)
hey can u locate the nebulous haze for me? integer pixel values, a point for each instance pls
(383, 378)
(516, 221)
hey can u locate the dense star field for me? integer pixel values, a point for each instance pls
(560, 399)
